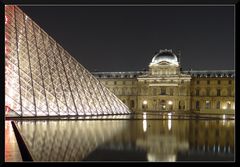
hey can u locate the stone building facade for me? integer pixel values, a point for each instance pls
(165, 87)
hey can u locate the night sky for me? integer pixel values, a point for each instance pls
(125, 38)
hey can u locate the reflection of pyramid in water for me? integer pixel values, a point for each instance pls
(42, 79)
(67, 140)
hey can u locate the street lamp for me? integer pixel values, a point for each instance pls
(145, 104)
(170, 103)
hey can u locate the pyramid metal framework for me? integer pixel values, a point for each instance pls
(43, 79)
(68, 140)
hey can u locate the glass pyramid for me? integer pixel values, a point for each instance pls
(43, 79)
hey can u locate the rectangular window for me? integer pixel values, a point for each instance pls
(218, 92)
(219, 82)
(208, 82)
(197, 82)
(171, 92)
(208, 92)
(229, 82)
(229, 91)
(154, 91)
(218, 105)
(197, 92)
(163, 91)
(197, 105)
(132, 104)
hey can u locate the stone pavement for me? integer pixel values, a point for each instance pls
(12, 152)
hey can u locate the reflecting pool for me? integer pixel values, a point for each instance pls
(161, 140)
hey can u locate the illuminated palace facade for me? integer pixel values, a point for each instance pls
(166, 87)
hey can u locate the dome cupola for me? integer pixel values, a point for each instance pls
(166, 56)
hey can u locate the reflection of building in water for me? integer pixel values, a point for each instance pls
(157, 140)
(212, 136)
(67, 140)
(166, 87)
(162, 143)
(160, 150)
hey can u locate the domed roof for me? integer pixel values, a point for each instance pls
(165, 55)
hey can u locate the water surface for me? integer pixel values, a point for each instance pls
(161, 140)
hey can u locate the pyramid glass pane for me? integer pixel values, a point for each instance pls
(43, 79)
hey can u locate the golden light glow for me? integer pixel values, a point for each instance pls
(170, 102)
(145, 102)
(145, 125)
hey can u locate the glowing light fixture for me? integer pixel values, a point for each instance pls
(145, 102)
(144, 116)
(224, 107)
(144, 125)
(170, 102)
(224, 116)
(169, 124)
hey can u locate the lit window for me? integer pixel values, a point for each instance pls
(228, 105)
(208, 104)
